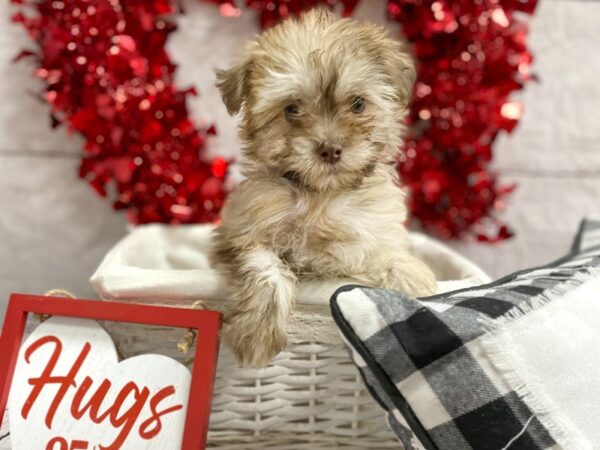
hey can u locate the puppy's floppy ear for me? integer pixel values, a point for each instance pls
(406, 77)
(233, 83)
(401, 70)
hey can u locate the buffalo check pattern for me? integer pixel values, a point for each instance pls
(424, 362)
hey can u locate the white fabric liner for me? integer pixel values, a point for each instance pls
(157, 262)
(549, 352)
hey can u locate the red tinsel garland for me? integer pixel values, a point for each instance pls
(109, 78)
(471, 56)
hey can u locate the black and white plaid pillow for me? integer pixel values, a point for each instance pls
(425, 360)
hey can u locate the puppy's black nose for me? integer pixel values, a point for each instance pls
(330, 153)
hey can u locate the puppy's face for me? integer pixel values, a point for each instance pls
(321, 99)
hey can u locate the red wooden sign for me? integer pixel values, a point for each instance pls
(134, 411)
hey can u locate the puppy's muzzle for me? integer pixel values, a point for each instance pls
(330, 153)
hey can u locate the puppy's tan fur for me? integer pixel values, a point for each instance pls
(297, 216)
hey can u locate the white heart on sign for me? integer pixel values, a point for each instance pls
(130, 417)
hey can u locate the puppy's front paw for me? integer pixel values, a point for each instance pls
(254, 340)
(422, 286)
(412, 277)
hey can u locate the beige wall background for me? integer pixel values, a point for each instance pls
(54, 230)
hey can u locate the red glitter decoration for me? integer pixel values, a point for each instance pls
(470, 57)
(108, 77)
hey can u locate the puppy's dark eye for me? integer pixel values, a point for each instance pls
(358, 105)
(292, 110)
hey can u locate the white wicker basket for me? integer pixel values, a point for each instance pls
(310, 396)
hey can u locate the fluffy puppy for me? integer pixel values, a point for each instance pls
(321, 102)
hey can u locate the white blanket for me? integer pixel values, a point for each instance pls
(549, 352)
(160, 263)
